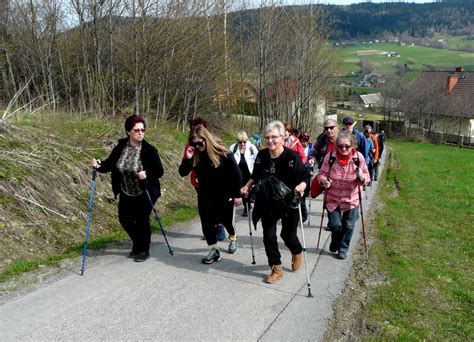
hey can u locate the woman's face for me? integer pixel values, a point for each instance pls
(273, 139)
(137, 133)
(287, 134)
(344, 146)
(199, 143)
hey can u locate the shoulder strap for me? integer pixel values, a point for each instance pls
(356, 160)
(332, 159)
(235, 148)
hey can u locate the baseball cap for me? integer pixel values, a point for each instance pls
(347, 120)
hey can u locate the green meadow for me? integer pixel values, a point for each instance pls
(424, 247)
(417, 58)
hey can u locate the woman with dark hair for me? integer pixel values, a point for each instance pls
(286, 165)
(135, 166)
(219, 187)
(342, 181)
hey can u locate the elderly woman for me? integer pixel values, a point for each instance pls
(342, 181)
(286, 165)
(219, 187)
(135, 166)
(244, 154)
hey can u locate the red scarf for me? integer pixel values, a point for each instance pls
(343, 159)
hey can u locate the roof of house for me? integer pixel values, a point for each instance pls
(377, 100)
(457, 99)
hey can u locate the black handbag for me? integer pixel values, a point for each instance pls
(271, 190)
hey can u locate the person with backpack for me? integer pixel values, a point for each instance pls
(192, 177)
(343, 174)
(373, 147)
(219, 187)
(244, 154)
(292, 142)
(348, 123)
(136, 169)
(283, 167)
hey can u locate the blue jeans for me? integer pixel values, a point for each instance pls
(342, 226)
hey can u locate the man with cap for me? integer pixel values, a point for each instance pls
(348, 123)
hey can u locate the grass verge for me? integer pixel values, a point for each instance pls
(21, 266)
(425, 247)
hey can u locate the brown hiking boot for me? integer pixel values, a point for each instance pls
(296, 261)
(277, 273)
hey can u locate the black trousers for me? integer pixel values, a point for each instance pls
(134, 216)
(214, 212)
(289, 222)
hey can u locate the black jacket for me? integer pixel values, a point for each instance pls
(151, 164)
(219, 183)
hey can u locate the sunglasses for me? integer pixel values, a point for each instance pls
(197, 143)
(139, 130)
(329, 128)
(242, 141)
(344, 146)
(273, 137)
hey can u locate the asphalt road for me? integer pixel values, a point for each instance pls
(178, 298)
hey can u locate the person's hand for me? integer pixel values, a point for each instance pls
(299, 189)
(238, 202)
(190, 152)
(141, 175)
(326, 183)
(311, 162)
(95, 163)
(244, 190)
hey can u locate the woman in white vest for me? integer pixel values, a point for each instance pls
(244, 153)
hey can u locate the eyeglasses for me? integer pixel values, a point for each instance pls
(242, 142)
(273, 137)
(197, 143)
(139, 130)
(329, 128)
(344, 146)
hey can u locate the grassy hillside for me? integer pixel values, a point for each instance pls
(45, 179)
(417, 58)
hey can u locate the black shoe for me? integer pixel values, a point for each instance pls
(212, 256)
(140, 257)
(132, 254)
(333, 247)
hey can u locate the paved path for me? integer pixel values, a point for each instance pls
(178, 298)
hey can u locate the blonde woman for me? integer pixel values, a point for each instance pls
(245, 154)
(219, 187)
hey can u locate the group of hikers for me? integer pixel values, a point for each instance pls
(271, 182)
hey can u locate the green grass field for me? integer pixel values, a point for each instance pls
(416, 57)
(425, 245)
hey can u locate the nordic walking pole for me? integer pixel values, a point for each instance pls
(304, 250)
(309, 199)
(250, 232)
(88, 225)
(322, 218)
(159, 221)
(363, 225)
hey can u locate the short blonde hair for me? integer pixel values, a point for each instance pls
(242, 136)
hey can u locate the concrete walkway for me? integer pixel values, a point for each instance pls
(178, 298)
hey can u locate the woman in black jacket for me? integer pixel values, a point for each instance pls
(219, 186)
(135, 166)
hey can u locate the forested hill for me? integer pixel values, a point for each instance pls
(371, 20)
